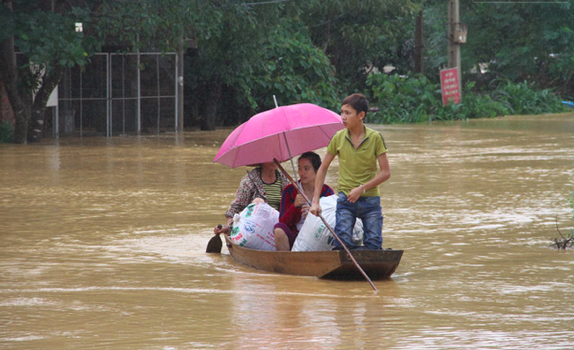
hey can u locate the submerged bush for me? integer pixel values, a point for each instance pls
(567, 241)
(402, 99)
(6, 132)
(523, 98)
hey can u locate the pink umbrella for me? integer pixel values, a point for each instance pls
(279, 133)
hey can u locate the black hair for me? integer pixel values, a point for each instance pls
(313, 158)
(358, 102)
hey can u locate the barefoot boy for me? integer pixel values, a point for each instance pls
(360, 149)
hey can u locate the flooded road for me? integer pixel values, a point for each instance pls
(103, 247)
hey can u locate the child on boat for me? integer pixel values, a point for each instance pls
(359, 149)
(294, 207)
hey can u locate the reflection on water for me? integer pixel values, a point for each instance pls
(103, 245)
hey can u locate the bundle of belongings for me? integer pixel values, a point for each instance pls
(253, 228)
(314, 235)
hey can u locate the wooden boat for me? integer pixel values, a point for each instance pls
(377, 264)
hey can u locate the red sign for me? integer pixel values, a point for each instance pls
(449, 86)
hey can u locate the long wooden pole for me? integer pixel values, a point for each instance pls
(300, 190)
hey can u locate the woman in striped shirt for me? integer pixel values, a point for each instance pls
(265, 182)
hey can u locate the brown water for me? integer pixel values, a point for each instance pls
(103, 240)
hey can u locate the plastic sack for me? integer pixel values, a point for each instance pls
(314, 235)
(253, 227)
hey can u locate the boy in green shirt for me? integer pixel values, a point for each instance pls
(360, 149)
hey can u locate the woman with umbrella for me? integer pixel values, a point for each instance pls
(274, 134)
(265, 183)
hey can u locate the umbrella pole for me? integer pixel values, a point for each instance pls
(300, 190)
(290, 158)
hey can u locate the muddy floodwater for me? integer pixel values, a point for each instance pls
(102, 246)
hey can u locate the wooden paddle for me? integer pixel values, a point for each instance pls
(214, 244)
(300, 190)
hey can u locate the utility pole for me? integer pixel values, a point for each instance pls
(419, 45)
(180, 95)
(453, 42)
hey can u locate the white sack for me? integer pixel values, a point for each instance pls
(314, 235)
(253, 227)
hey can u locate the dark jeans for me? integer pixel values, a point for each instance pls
(368, 209)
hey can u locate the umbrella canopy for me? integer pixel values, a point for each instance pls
(280, 133)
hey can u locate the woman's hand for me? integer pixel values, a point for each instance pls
(299, 201)
(220, 229)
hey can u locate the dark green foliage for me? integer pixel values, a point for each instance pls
(359, 36)
(310, 51)
(523, 98)
(6, 132)
(222, 72)
(47, 38)
(402, 99)
(253, 53)
(295, 70)
(417, 99)
(515, 41)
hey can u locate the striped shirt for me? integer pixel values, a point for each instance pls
(273, 193)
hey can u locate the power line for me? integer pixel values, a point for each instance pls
(264, 2)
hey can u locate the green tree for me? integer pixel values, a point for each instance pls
(533, 42)
(252, 53)
(295, 70)
(228, 54)
(44, 33)
(48, 44)
(360, 37)
(516, 41)
(435, 38)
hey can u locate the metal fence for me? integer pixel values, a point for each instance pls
(118, 94)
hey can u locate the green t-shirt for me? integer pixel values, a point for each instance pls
(357, 166)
